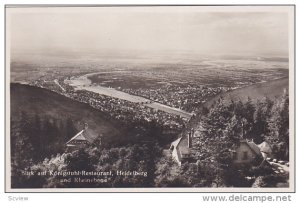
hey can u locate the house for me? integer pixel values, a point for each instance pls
(247, 153)
(265, 149)
(181, 149)
(80, 139)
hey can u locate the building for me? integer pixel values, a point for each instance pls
(265, 149)
(182, 149)
(80, 139)
(247, 153)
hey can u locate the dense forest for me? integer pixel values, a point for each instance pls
(37, 144)
(263, 120)
(225, 124)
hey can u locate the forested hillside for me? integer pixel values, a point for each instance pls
(224, 125)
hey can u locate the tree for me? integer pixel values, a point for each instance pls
(221, 133)
(234, 130)
(261, 116)
(70, 129)
(279, 126)
(21, 149)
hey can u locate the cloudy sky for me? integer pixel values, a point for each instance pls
(153, 29)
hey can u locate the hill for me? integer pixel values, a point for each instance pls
(258, 91)
(38, 101)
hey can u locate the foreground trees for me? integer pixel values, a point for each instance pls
(138, 159)
(265, 120)
(278, 125)
(35, 141)
(226, 123)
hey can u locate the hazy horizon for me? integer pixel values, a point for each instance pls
(148, 30)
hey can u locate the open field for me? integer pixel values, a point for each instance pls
(208, 73)
(139, 72)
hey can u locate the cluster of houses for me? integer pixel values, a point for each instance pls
(247, 152)
(187, 98)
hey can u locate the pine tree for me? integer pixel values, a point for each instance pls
(21, 149)
(279, 126)
(261, 116)
(70, 129)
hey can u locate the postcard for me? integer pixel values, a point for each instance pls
(150, 98)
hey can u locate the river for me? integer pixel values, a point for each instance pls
(84, 83)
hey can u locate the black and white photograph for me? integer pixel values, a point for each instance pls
(149, 98)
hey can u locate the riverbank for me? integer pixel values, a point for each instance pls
(84, 83)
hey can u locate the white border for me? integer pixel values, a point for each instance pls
(176, 2)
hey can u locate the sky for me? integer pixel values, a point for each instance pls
(150, 29)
